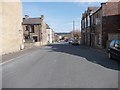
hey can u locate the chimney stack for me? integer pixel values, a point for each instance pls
(26, 16)
(42, 17)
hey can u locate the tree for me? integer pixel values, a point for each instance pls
(76, 34)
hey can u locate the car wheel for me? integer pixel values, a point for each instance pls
(110, 55)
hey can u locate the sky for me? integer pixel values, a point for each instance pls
(58, 15)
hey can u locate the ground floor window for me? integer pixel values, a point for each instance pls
(35, 38)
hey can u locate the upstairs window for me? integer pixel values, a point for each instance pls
(85, 22)
(26, 28)
(88, 21)
(32, 28)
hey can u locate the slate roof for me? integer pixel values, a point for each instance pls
(32, 21)
(93, 8)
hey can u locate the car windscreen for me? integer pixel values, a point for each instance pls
(117, 42)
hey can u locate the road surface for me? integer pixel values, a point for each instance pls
(61, 66)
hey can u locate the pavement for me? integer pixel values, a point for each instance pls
(60, 66)
(9, 56)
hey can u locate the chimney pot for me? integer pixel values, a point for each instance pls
(26, 16)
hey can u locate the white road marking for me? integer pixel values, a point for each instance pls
(14, 58)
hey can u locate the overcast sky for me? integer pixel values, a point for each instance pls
(58, 15)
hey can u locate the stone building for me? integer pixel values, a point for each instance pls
(96, 27)
(104, 25)
(83, 29)
(11, 32)
(34, 30)
(86, 25)
(111, 22)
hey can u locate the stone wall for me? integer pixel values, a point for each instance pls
(12, 33)
(44, 31)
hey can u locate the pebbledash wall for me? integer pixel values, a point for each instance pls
(12, 33)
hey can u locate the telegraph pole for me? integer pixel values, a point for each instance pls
(73, 28)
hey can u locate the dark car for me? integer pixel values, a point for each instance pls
(70, 41)
(114, 49)
(73, 42)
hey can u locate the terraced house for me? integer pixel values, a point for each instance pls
(104, 25)
(50, 34)
(34, 30)
(86, 32)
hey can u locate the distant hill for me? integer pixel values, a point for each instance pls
(62, 33)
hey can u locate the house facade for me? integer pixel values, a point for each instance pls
(83, 29)
(96, 28)
(49, 34)
(107, 24)
(111, 21)
(12, 33)
(34, 30)
(104, 25)
(86, 26)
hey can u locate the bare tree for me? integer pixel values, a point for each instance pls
(76, 34)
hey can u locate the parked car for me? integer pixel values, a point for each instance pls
(114, 49)
(73, 42)
(70, 41)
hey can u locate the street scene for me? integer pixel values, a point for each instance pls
(60, 44)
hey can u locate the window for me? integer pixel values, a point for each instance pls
(35, 38)
(118, 43)
(91, 19)
(97, 20)
(82, 24)
(26, 28)
(88, 21)
(32, 29)
(112, 43)
(85, 22)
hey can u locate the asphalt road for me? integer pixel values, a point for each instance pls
(61, 66)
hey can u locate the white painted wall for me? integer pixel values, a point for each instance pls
(49, 35)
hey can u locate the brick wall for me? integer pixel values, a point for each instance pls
(110, 20)
(112, 8)
(112, 23)
(119, 7)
